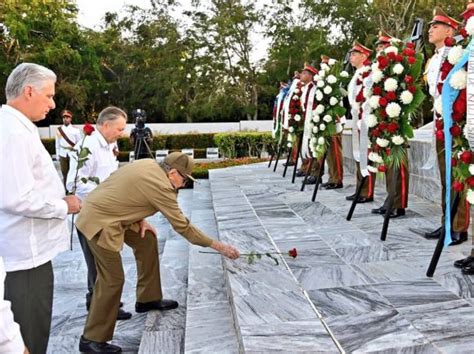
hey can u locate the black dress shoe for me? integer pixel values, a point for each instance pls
(123, 315)
(434, 234)
(396, 213)
(351, 197)
(290, 163)
(324, 185)
(365, 200)
(458, 238)
(311, 180)
(89, 346)
(461, 263)
(161, 305)
(300, 173)
(332, 185)
(468, 269)
(380, 210)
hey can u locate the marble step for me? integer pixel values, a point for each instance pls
(164, 331)
(209, 322)
(272, 311)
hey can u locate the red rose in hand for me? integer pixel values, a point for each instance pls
(392, 127)
(391, 96)
(88, 129)
(382, 168)
(293, 253)
(466, 157)
(408, 79)
(377, 90)
(470, 181)
(411, 60)
(455, 131)
(449, 41)
(383, 102)
(440, 135)
(458, 186)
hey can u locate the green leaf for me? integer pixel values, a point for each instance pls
(84, 152)
(84, 180)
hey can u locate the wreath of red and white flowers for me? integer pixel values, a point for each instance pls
(296, 112)
(395, 95)
(327, 118)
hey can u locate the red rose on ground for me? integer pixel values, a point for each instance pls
(392, 127)
(411, 60)
(449, 41)
(470, 181)
(458, 186)
(454, 162)
(88, 129)
(383, 102)
(412, 89)
(455, 131)
(293, 253)
(377, 90)
(466, 157)
(440, 135)
(382, 168)
(408, 79)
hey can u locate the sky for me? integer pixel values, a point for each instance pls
(91, 14)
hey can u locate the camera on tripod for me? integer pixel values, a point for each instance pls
(141, 137)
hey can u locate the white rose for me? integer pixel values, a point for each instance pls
(382, 142)
(470, 194)
(331, 79)
(316, 78)
(374, 102)
(321, 141)
(393, 110)
(332, 61)
(372, 169)
(322, 73)
(377, 76)
(320, 109)
(390, 84)
(316, 118)
(325, 67)
(375, 66)
(297, 117)
(438, 106)
(327, 118)
(322, 127)
(459, 79)
(455, 54)
(398, 69)
(319, 95)
(291, 129)
(471, 169)
(320, 83)
(315, 130)
(313, 140)
(406, 97)
(344, 74)
(373, 156)
(398, 140)
(470, 26)
(391, 49)
(327, 90)
(338, 128)
(333, 101)
(372, 121)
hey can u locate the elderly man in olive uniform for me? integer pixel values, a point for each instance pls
(115, 213)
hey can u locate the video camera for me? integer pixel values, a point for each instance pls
(139, 116)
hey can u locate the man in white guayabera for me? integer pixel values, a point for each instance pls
(33, 205)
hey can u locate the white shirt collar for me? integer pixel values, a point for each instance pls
(21, 117)
(100, 138)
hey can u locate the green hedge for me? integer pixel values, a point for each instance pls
(169, 141)
(242, 144)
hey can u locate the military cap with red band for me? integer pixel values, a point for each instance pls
(439, 16)
(357, 47)
(466, 15)
(384, 38)
(310, 68)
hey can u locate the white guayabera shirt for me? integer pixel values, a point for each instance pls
(101, 163)
(10, 336)
(33, 226)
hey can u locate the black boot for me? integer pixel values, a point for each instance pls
(90, 346)
(461, 263)
(458, 238)
(468, 269)
(380, 210)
